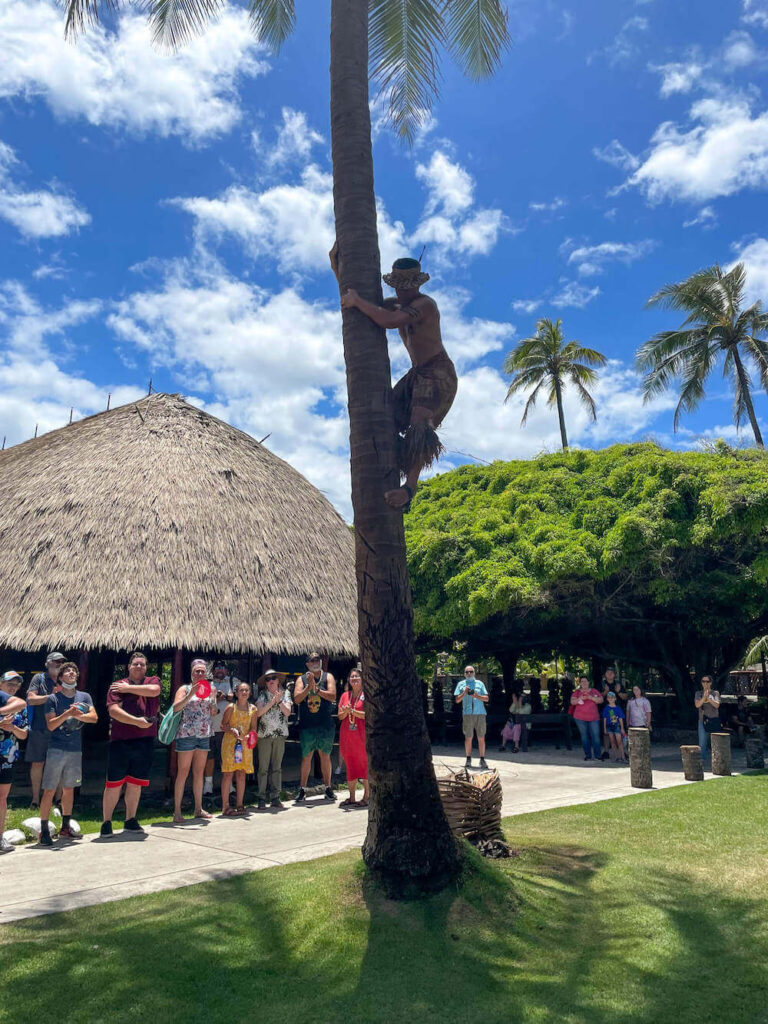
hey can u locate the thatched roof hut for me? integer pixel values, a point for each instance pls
(157, 525)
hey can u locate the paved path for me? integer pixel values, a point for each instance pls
(37, 881)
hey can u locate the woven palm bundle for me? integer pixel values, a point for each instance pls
(472, 803)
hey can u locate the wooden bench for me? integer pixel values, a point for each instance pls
(555, 721)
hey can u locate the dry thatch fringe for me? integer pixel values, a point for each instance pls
(156, 525)
(472, 803)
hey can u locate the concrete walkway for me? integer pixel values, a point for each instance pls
(37, 881)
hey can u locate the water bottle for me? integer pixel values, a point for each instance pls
(238, 752)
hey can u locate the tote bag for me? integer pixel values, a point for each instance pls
(169, 726)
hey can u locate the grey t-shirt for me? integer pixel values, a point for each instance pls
(706, 710)
(41, 686)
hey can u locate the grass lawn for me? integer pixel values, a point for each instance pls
(651, 908)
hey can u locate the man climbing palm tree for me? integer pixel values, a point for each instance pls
(425, 394)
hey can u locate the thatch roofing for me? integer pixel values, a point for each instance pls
(158, 525)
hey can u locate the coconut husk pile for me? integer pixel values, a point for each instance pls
(472, 803)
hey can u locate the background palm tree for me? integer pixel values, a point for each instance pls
(716, 326)
(546, 360)
(408, 839)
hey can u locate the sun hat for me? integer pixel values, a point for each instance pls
(406, 273)
(269, 674)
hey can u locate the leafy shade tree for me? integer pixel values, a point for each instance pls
(546, 360)
(408, 840)
(717, 327)
(654, 557)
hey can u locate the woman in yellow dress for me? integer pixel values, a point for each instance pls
(236, 756)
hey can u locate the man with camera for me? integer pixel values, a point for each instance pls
(473, 696)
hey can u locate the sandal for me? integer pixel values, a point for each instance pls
(349, 802)
(362, 803)
(240, 812)
(228, 812)
(178, 821)
(203, 814)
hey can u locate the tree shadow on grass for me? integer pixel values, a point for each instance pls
(540, 938)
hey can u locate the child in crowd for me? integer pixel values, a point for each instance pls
(236, 755)
(613, 728)
(519, 712)
(13, 727)
(66, 711)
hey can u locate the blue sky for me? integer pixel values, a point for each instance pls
(168, 217)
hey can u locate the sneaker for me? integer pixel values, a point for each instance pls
(301, 796)
(587, 758)
(604, 756)
(483, 764)
(276, 802)
(330, 795)
(46, 839)
(468, 763)
(262, 803)
(106, 828)
(132, 825)
(65, 832)
(503, 750)
(5, 845)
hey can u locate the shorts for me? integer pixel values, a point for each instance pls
(431, 386)
(129, 761)
(471, 724)
(37, 746)
(613, 729)
(316, 739)
(186, 743)
(63, 768)
(7, 772)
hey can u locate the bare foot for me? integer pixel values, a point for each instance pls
(178, 820)
(399, 498)
(202, 814)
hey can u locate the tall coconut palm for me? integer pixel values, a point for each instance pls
(408, 839)
(546, 360)
(717, 327)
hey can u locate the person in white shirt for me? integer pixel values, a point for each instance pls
(226, 685)
(638, 710)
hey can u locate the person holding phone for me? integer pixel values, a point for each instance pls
(236, 754)
(471, 693)
(707, 702)
(585, 701)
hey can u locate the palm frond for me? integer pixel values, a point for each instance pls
(81, 14)
(531, 403)
(404, 36)
(477, 35)
(574, 352)
(272, 21)
(586, 400)
(176, 22)
(580, 374)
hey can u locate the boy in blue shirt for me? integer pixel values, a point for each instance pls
(613, 728)
(473, 696)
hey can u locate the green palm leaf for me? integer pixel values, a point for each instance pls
(477, 35)
(80, 14)
(273, 21)
(404, 39)
(176, 22)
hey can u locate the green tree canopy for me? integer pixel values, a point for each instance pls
(635, 552)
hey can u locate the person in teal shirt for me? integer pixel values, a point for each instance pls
(471, 693)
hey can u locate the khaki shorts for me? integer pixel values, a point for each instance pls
(473, 724)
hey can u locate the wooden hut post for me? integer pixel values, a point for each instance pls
(693, 768)
(640, 774)
(721, 753)
(177, 678)
(754, 750)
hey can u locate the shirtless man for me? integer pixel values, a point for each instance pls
(425, 394)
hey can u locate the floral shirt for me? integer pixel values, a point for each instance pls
(274, 722)
(9, 743)
(196, 718)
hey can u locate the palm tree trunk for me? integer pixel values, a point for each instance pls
(561, 413)
(747, 397)
(408, 842)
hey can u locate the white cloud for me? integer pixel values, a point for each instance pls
(295, 140)
(754, 255)
(617, 155)
(39, 213)
(526, 306)
(725, 151)
(573, 293)
(592, 259)
(755, 13)
(740, 50)
(705, 218)
(450, 187)
(679, 77)
(551, 207)
(117, 79)
(626, 44)
(35, 391)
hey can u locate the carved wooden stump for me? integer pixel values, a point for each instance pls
(640, 774)
(693, 769)
(754, 749)
(721, 753)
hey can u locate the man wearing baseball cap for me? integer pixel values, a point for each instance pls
(314, 695)
(40, 689)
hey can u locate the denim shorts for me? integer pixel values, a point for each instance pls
(187, 743)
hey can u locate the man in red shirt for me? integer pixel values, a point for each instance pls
(133, 705)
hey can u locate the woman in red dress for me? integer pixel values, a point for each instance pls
(352, 738)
